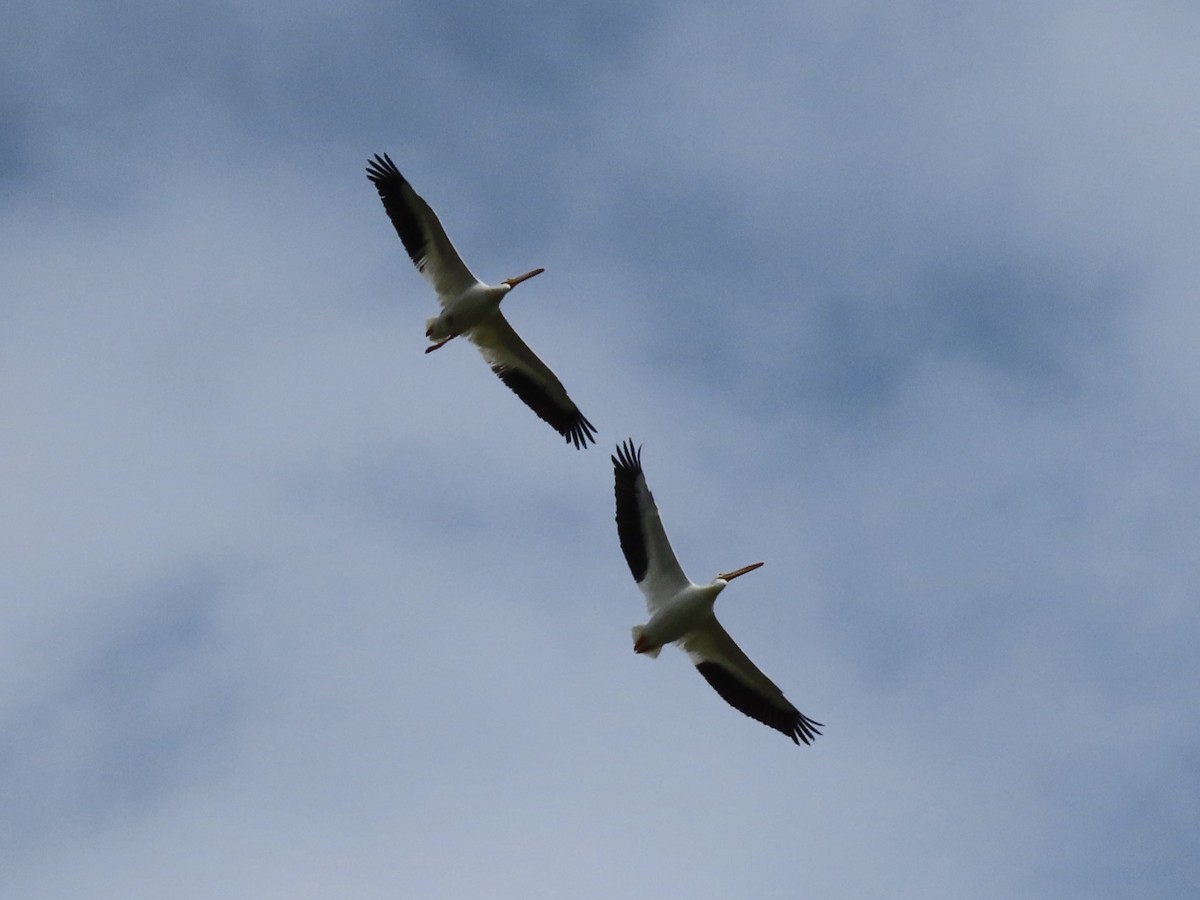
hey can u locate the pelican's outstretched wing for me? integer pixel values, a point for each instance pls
(643, 540)
(420, 231)
(742, 684)
(530, 379)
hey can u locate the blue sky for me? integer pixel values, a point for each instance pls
(899, 298)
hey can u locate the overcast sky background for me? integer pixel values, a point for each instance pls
(901, 298)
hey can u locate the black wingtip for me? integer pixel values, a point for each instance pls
(581, 433)
(381, 168)
(805, 729)
(628, 457)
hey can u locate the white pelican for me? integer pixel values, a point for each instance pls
(472, 308)
(682, 612)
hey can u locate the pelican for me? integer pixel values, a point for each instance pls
(472, 308)
(682, 612)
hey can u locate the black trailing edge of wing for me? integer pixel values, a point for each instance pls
(736, 693)
(627, 468)
(567, 421)
(393, 187)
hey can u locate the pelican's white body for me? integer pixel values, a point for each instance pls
(463, 311)
(674, 618)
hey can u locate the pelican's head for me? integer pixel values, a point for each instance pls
(725, 577)
(513, 282)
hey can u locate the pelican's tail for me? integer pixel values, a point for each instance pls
(640, 645)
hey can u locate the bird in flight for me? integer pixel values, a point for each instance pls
(682, 612)
(472, 308)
